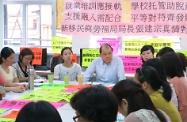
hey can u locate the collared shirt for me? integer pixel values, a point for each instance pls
(107, 73)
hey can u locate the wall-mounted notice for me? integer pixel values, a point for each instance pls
(125, 17)
(59, 13)
(113, 42)
(131, 63)
(87, 56)
(133, 46)
(37, 55)
(59, 42)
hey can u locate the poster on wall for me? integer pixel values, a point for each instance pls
(87, 55)
(133, 46)
(131, 63)
(125, 17)
(113, 42)
(59, 42)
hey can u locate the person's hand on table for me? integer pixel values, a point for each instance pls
(3, 92)
(19, 88)
(25, 86)
(45, 80)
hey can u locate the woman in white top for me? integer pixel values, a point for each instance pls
(6, 69)
(135, 104)
(67, 67)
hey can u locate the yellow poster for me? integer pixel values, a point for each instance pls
(133, 46)
(59, 42)
(59, 13)
(88, 55)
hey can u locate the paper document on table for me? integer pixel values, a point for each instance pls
(39, 80)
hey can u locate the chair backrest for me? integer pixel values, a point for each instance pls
(54, 61)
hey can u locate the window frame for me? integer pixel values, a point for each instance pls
(24, 39)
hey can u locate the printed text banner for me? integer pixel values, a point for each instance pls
(59, 42)
(133, 46)
(125, 17)
(131, 63)
(87, 56)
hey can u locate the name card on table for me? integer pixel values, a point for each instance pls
(131, 63)
(113, 42)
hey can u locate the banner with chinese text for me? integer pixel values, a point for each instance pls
(125, 17)
(133, 46)
(59, 42)
(87, 56)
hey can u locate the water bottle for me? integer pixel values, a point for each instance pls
(31, 79)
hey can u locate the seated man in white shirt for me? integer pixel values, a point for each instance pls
(108, 68)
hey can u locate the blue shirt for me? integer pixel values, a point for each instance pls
(107, 73)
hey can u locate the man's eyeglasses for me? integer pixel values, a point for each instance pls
(76, 118)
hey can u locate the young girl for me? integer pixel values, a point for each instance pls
(67, 67)
(25, 62)
(6, 69)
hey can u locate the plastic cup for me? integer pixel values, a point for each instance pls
(66, 79)
(80, 79)
(50, 78)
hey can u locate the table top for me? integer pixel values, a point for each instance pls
(66, 112)
(48, 72)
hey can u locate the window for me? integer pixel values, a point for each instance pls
(28, 24)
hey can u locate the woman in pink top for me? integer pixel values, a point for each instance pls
(175, 75)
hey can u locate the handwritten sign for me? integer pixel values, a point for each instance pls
(2, 111)
(59, 42)
(58, 104)
(6, 120)
(70, 90)
(17, 104)
(131, 63)
(37, 55)
(133, 46)
(124, 17)
(12, 115)
(113, 42)
(87, 56)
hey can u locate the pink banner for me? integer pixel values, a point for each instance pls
(125, 17)
(131, 63)
(113, 42)
(18, 104)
